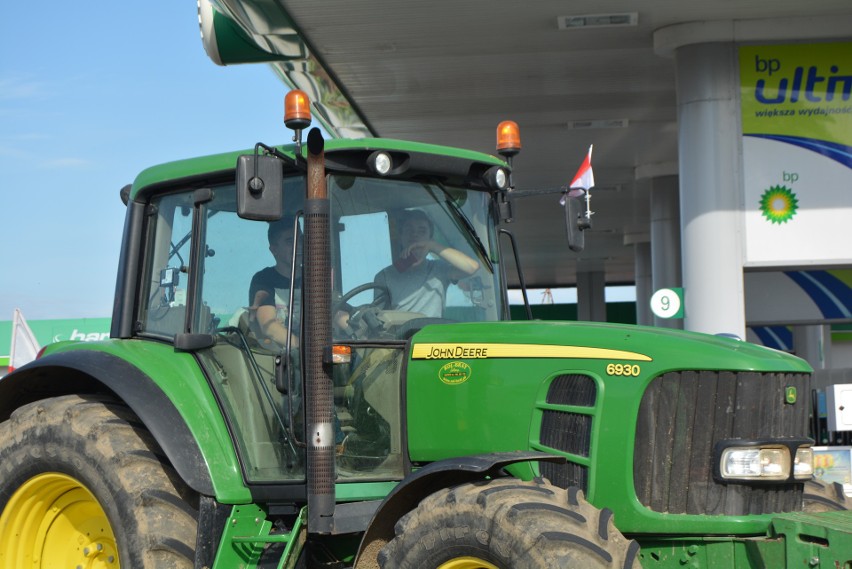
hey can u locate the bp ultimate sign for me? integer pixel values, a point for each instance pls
(797, 153)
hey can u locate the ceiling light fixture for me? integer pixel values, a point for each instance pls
(598, 123)
(597, 21)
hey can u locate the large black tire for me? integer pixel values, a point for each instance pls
(83, 484)
(508, 524)
(824, 497)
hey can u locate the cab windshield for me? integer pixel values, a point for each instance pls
(407, 254)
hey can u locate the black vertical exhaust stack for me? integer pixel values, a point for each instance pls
(317, 333)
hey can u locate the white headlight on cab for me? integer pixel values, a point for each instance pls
(380, 163)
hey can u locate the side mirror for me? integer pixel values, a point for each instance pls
(260, 179)
(576, 222)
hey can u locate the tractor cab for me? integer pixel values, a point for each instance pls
(225, 284)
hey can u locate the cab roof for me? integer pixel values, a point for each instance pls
(222, 166)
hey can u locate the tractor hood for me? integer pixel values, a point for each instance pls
(482, 387)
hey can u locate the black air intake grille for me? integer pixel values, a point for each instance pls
(681, 417)
(579, 390)
(567, 431)
(565, 475)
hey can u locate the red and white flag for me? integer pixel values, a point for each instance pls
(25, 347)
(584, 178)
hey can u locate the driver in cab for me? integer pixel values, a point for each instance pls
(415, 281)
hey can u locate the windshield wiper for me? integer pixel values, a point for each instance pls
(463, 219)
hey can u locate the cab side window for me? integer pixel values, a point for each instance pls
(163, 304)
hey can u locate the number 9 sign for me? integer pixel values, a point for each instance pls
(667, 303)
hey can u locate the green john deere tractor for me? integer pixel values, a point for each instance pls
(377, 433)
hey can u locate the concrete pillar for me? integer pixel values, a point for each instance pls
(665, 240)
(591, 296)
(710, 177)
(813, 343)
(644, 283)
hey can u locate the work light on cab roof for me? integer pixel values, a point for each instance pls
(380, 162)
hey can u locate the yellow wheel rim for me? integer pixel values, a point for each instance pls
(467, 563)
(51, 521)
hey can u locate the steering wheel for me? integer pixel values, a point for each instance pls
(363, 319)
(381, 301)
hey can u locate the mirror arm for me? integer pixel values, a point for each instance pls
(296, 163)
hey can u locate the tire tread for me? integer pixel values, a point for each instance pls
(100, 442)
(511, 524)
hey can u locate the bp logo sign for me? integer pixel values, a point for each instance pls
(779, 204)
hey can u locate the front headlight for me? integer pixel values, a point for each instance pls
(784, 460)
(803, 465)
(745, 463)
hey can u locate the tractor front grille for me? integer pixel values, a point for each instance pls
(681, 417)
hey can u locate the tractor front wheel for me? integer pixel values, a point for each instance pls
(83, 484)
(508, 524)
(824, 497)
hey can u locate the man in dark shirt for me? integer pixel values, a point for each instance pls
(269, 292)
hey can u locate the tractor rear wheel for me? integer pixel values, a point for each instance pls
(508, 524)
(83, 484)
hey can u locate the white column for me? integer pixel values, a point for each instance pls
(710, 180)
(813, 343)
